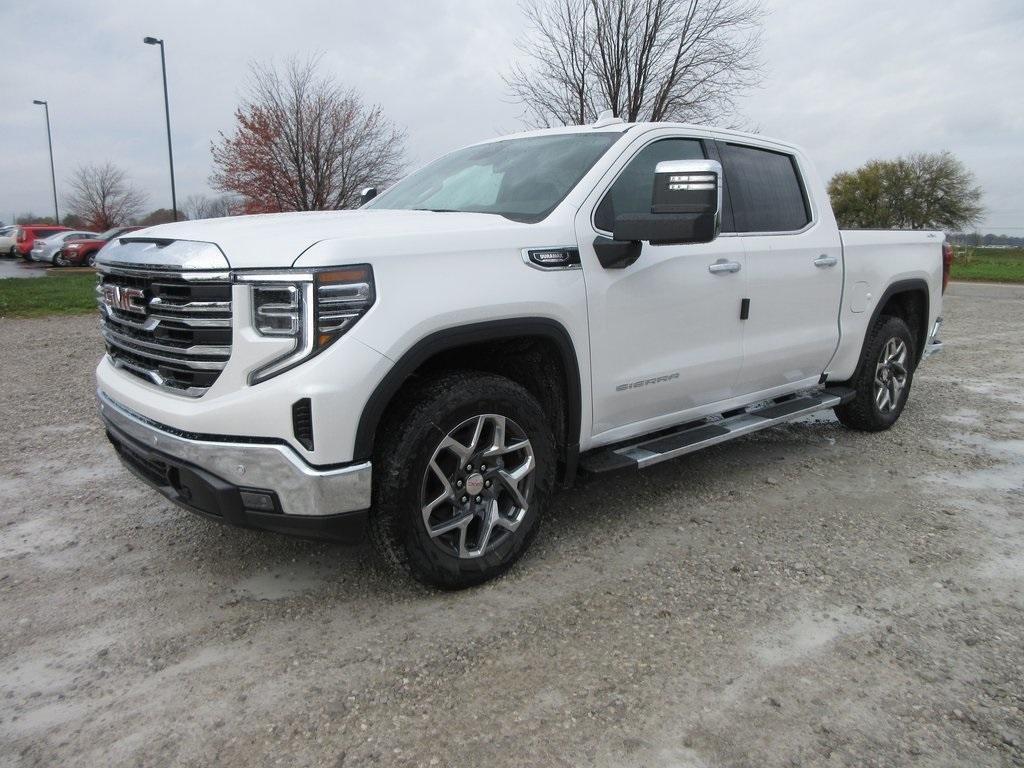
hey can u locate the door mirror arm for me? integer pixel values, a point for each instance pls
(616, 254)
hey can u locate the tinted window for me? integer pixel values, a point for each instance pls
(765, 190)
(632, 190)
(522, 179)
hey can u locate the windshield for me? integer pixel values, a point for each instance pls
(110, 233)
(521, 179)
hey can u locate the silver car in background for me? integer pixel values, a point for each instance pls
(45, 250)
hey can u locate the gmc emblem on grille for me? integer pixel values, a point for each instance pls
(124, 299)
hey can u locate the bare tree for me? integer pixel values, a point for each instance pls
(303, 142)
(642, 59)
(205, 207)
(102, 197)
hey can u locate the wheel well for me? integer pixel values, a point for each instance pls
(912, 307)
(536, 354)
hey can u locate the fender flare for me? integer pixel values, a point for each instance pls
(457, 336)
(913, 285)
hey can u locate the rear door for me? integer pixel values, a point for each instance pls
(794, 269)
(665, 332)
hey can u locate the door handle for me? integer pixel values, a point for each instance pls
(826, 261)
(722, 267)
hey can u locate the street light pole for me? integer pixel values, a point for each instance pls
(53, 176)
(167, 113)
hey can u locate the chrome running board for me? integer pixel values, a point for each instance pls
(712, 430)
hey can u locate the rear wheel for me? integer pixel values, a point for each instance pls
(884, 376)
(91, 259)
(462, 474)
(60, 260)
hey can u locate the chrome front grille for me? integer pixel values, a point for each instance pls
(170, 328)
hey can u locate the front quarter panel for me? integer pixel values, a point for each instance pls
(429, 287)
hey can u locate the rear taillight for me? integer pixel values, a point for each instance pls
(947, 264)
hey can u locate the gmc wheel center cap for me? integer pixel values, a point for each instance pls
(474, 483)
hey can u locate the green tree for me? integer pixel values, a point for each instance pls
(919, 191)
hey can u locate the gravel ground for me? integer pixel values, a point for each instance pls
(804, 596)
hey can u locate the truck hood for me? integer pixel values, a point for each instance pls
(277, 240)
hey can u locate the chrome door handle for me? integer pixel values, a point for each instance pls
(826, 261)
(722, 266)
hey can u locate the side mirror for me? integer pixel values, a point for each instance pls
(686, 205)
(366, 194)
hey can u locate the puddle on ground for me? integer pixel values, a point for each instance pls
(280, 584)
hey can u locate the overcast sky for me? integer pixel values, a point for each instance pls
(850, 81)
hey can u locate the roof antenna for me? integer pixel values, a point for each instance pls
(607, 117)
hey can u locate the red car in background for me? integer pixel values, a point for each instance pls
(28, 233)
(79, 252)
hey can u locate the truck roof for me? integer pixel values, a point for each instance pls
(618, 126)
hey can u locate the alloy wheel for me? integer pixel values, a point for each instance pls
(891, 374)
(478, 484)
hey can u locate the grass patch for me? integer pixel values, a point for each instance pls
(1003, 265)
(50, 295)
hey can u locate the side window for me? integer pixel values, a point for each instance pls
(765, 189)
(632, 190)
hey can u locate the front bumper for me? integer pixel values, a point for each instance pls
(934, 345)
(252, 485)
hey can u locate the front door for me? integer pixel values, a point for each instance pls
(665, 333)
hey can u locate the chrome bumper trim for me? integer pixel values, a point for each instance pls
(302, 489)
(934, 345)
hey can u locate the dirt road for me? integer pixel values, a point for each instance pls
(804, 596)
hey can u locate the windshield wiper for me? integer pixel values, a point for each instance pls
(439, 210)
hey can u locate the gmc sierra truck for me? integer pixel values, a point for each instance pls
(433, 366)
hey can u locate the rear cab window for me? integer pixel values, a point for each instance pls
(765, 189)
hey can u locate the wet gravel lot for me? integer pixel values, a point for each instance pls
(803, 596)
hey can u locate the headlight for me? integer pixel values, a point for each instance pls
(313, 307)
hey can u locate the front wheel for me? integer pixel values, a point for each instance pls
(462, 474)
(884, 376)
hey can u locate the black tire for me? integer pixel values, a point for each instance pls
(864, 412)
(406, 445)
(59, 260)
(90, 260)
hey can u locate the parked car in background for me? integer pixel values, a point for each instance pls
(29, 233)
(46, 250)
(81, 252)
(9, 241)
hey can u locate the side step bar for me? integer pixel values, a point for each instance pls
(692, 437)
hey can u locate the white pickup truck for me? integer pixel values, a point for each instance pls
(433, 366)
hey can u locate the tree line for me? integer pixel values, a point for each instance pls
(303, 141)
